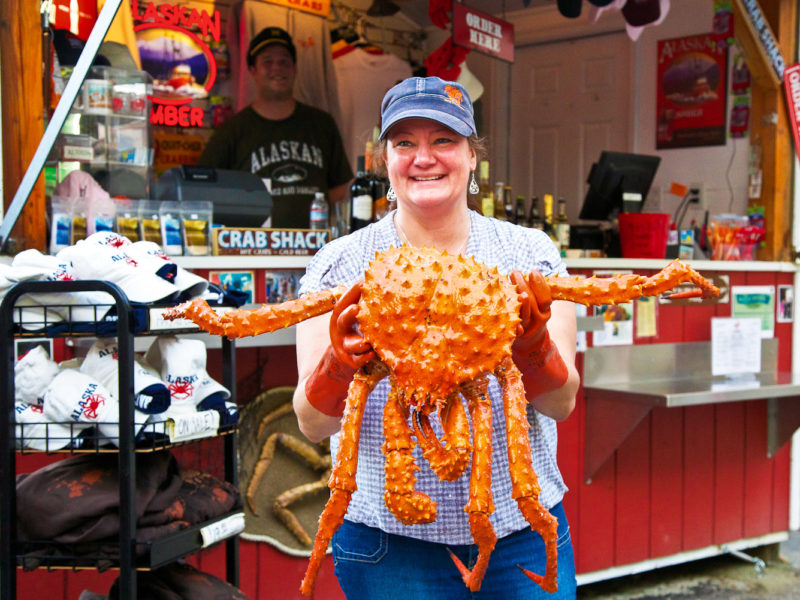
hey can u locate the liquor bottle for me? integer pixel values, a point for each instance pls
(319, 212)
(561, 224)
(487, 198)
(508, 203)
(360, 198)
(499, 209)
(377, 186)
(535, 219)
(548, 218)
(520, 218)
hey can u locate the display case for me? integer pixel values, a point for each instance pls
(107, 133)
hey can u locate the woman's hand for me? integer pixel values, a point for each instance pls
(326, 387)
(348, 344)
(535, 300)
(536, 356)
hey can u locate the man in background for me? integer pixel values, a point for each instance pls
(294, 146)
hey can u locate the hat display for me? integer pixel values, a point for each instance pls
(33, 372)
(270, 36)
(153, 258)
(151, 396)
(446, 102)
(73, 396)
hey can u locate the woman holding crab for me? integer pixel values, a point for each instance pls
(430, 148)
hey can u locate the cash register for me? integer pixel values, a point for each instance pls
(239, 199)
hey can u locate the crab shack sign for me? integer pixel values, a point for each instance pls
(248, 241)
(170, 39)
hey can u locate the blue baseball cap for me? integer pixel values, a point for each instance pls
(446, 102)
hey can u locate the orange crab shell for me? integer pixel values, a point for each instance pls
(436, 320)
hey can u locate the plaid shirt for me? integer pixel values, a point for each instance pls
(494, 243)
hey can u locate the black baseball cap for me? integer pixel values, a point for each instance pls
(267, 37)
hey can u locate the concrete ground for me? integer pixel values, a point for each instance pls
(719, 578)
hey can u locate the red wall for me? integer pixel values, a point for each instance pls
(686, 478)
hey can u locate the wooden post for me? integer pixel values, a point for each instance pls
(23, 113)
(770, 120)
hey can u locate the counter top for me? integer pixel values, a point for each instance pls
(703, 390)
(300, 262)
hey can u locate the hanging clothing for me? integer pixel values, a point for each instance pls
(362, 79)
(316, 80)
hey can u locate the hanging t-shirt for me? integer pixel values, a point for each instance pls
(301, 155)
(362, 80)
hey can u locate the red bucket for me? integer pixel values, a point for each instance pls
(643, 235)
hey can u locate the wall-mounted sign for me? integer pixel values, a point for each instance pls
(791, 85)
(170, 39)
(692, 91)
(316, 7)
(248, 241)
(761, 31)
(482, 32)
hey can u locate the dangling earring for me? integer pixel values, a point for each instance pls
(473, 185)
(391, 195)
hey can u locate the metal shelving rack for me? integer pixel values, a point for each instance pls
(158, 553)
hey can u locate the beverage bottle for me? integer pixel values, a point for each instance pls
(499, 208)
(487, 198)
(535, 219)
(508, 203)
(360, 198)
(319, 212)
(520, 218)
(548, 218)
(561, 224)
(377, 187)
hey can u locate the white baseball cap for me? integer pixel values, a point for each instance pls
(73, 396)
(35, 431)
(27, 313)
(74, 306)
(182, 365)
(102, 363)
(33, 372)
(152, 257)
(110, 263)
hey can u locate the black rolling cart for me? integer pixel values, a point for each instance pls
(133, 555)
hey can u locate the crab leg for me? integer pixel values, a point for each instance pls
(269, 317)
(480, 504)
(450, 461)
(627, 287)
(343, 478)
(302, 449)
(524, 481)
(408, 505)
(280, 508)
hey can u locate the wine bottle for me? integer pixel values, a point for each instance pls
(535, 219)
(520, 217)
(508, 203)
(561, 225)
(487, 198)
(499, 208)
(360, 198)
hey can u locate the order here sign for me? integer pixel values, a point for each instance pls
(482, 32)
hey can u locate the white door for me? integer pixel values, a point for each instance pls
(569, 101)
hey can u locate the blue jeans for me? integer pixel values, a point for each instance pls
(371, 564)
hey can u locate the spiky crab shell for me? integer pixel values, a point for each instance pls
(436, 320)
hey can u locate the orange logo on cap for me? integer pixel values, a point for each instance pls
(454, 95)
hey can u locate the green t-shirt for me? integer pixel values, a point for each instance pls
(301, 155)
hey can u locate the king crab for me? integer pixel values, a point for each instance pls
(439, 325)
